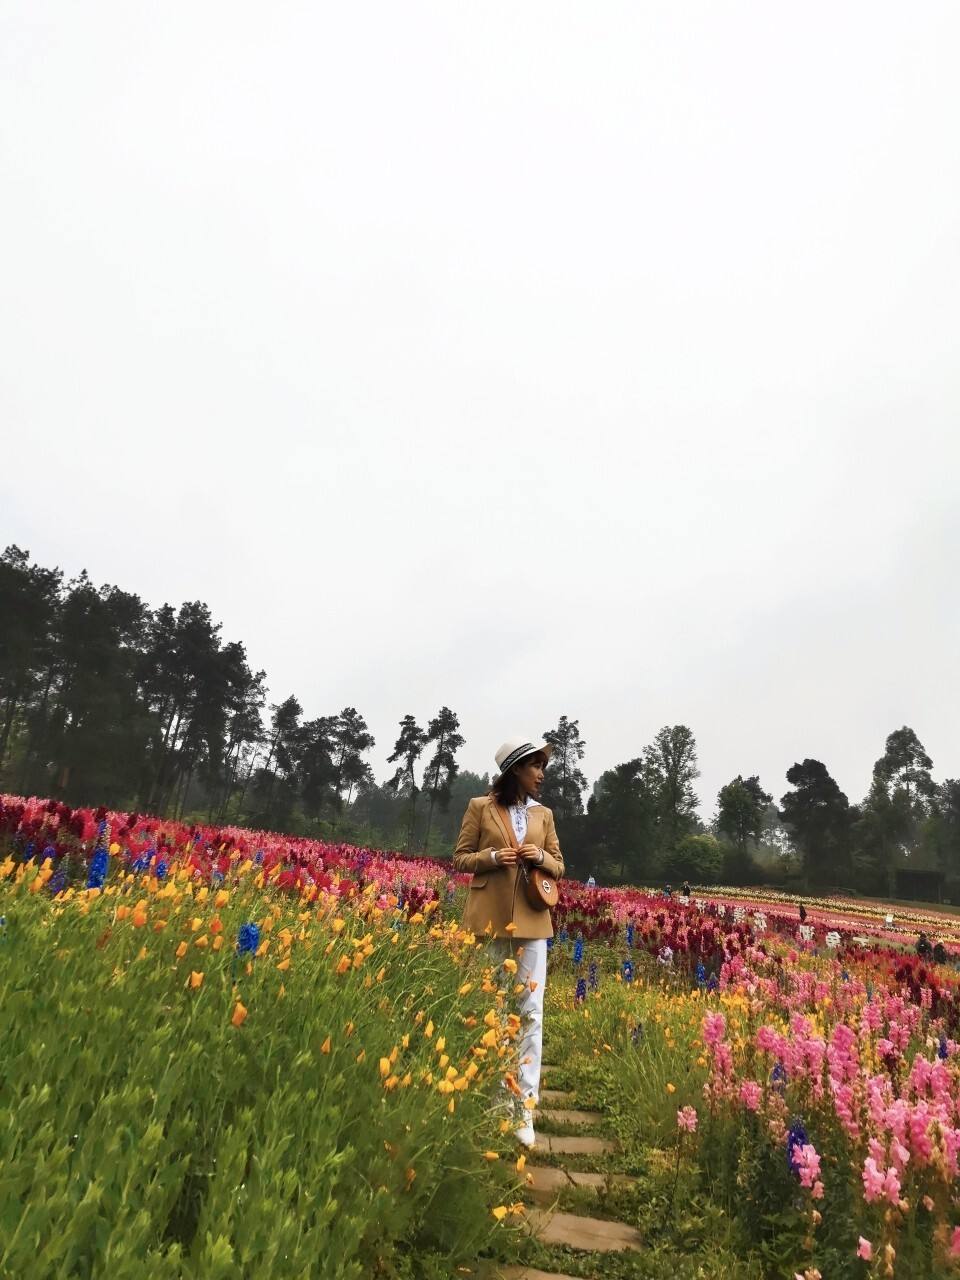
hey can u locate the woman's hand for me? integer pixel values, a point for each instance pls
(529, 853)
(506, 857)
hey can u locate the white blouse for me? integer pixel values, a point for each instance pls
(518, 816)
(518, 819)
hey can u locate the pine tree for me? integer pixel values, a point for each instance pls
(442, 769)
(564, 782)
(408, 749)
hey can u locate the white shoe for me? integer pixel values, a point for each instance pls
(503, 1106)
(526, 1135)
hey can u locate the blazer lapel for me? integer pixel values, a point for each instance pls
(535, 825)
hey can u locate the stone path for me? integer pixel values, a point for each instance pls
(547, 1181)
(569, 1116)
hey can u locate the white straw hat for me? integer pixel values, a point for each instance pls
(516, 749)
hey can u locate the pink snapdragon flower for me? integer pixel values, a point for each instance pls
(687, 1119)
(714, 1028)
(808, 1165)
(750, 1095)
(865, 1249)
(872, 1180)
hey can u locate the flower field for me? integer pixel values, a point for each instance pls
(226, 1050)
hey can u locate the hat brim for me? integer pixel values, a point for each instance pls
(544, 750)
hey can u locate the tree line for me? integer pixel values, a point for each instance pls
(106, 700)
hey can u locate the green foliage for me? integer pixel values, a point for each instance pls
(699, 858)
(818, 813)
(741, 807)
(144, 1134)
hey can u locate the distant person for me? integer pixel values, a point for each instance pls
(939, 952)
(924, 948)
(686, 889)
(591, 883)
(667, 891)
(803, 914)
(888, 920)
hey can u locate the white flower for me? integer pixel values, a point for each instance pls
(806, 932)
(832, 939)
(759, 922)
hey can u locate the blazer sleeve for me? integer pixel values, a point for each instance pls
(552, 857)
(468, 856)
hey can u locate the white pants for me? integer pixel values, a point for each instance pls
(531, 957)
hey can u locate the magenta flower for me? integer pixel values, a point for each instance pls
(865, 1249)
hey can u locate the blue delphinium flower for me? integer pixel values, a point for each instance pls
(49, 852)
(550, 942)
(216, 878)
(593, 977)
(578, 951)
(778, 1076)
(161, 870)
(627, 971)
(564, 936)
(796, 1138)
(942, 1047)
(58, 881)
(99, 864)
(581, 992)
(630, 934)
(701, 974)
(29, 851)
(258, 857)
(248, 938)
(713, 982)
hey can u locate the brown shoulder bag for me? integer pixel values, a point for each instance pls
(539, 887)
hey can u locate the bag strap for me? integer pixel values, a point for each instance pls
(503, 817)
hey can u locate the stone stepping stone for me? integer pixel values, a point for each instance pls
(570, 1116)
(575, 1146)
(555, 1095)
(532, 1273)
(595, 1235)
(546, 1183)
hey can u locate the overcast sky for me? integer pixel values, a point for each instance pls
(532, 358)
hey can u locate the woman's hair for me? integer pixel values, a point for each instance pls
(507, 790)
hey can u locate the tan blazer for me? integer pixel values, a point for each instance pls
(496, 896)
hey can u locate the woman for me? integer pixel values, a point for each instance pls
(500, 831)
